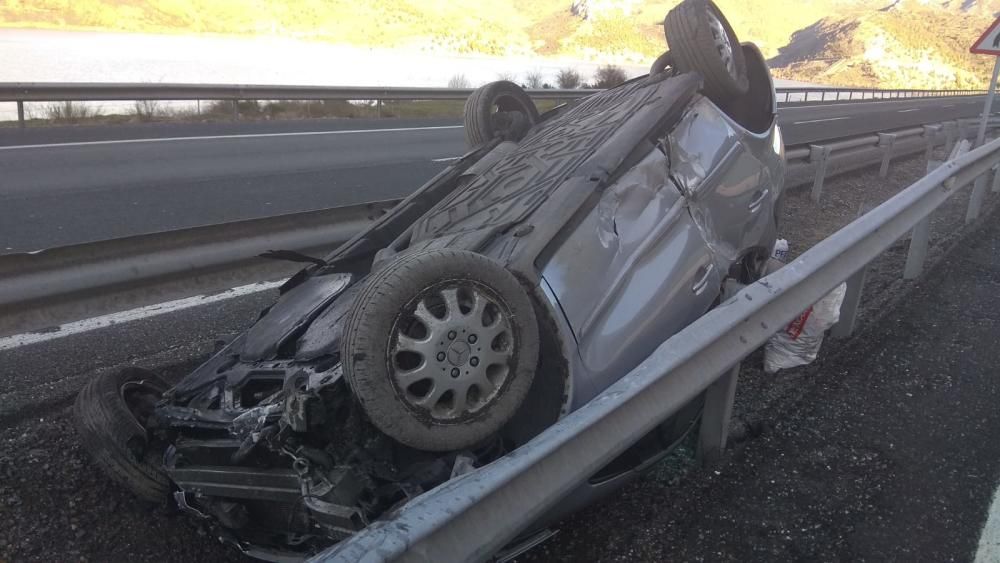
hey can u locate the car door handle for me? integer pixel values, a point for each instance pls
(758, 199)
(700, 285)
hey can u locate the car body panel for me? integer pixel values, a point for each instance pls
(643, 260)
(292, 312)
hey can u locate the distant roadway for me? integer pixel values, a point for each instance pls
(65, 185)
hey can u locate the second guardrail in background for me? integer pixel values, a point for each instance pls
(21, 92)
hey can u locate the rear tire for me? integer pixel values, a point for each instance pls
(498, 109)
(701, 40)
(111, 412)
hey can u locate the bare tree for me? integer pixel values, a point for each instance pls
(568, 79)
(147, 110)
(459, 81)
(609, 76)
(70, 112)
(509, 76)
(534, 79)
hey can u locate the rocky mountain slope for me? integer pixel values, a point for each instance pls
(888, 43)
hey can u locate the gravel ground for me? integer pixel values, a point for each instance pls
(58, 506)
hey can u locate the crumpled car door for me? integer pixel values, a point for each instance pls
(632, 273)
(726, 186)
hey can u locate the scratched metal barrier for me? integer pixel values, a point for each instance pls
(473, 516)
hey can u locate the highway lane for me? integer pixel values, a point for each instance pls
(68, 185)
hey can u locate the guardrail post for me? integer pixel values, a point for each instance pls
(819, 155)
(949, 136)
(849, 309)
(976, 199)
(917, 252)
(236, 110)
(714, 430)
(996, 179)
(930, 134)
(852, 296)
(378, 108)
(959, 150)
(886, 141)
(20, 114)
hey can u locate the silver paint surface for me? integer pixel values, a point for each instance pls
(651, 256)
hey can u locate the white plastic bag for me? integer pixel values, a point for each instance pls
(799, 342)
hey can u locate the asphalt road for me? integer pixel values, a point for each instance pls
(65, 185)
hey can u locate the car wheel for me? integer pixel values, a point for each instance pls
(664, 61)
(440, 348)
(701, 40)
(498, 109)
(111, 413)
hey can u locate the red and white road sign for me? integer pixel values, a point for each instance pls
(989, 43)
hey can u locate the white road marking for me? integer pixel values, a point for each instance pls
(989, 541)
(87, 325)
(909, 110)
(217, 137)
(951, 106)
(819, 120)
(449, 159)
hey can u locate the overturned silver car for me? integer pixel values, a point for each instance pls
(507, 291)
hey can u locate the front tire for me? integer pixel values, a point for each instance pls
(111, 412)
(440, 348)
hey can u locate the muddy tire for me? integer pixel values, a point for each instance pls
(498, 109)
(110, 413)
(440, 348)
(701, 40)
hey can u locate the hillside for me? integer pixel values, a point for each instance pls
(917, 48)
(889, 43)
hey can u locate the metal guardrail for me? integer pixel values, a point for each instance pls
(836, 94)
(473, 516)
(21, 92)
(50, 287)
(813, 163)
